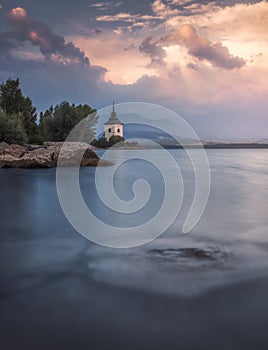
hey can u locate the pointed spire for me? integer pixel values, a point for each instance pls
(113, 118)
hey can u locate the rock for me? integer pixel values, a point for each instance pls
(34, 147)
(3, 146)
(15, 156)
(16, 151)
(12, 150)
(90, 154)
(26, 162)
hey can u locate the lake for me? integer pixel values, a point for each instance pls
(206, 289)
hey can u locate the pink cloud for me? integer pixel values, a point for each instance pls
(24, 28)
(202, 48)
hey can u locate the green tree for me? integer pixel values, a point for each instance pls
(46, 124)
(12, 102)
(56, 123)
(12, 129)
(11, 99)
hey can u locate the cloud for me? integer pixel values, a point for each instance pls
(180, 2)
(99, 4)
(18, 12)
(195, 78)
(163, 10)
(154, 51)
(202, 48)
(240, 20)
(128, 22)
(179, 8)
(52, 46)
(124, 17)
(105, 5)
(31, 51)
(96, 31)
(50, 82)
(218, 55)
(124, 66)
(6, 44)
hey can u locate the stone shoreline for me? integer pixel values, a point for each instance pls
(36, 157)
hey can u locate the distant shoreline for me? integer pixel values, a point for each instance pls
(221, 146)
(206, 146)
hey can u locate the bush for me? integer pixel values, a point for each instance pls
(104, 143)
(12, 129)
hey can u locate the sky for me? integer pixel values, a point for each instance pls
(205, 60)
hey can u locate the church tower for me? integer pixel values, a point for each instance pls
(113, 127)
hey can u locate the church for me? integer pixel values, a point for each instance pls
(113, 127)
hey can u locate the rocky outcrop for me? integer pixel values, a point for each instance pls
(15, 151)
(3, 146)
(15, 156)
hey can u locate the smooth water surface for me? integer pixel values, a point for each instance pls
(55, 283)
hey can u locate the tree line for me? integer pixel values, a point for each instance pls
(21, 124)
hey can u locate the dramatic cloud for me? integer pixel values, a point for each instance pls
(154, 51)
(25, 28)
(120, 55)
(207, 60)
(221, 19)
(202, 48)
(31, 51)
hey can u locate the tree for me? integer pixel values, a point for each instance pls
(12, 129)
(11, 99)
(102, 142)
(56, 123)
(12, 102)
(46, 124)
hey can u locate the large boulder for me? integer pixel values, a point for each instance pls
(15, 156)
(73, 152)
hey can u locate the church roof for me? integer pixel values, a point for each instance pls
(113, 118)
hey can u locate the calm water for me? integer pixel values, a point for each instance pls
(48, 266)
